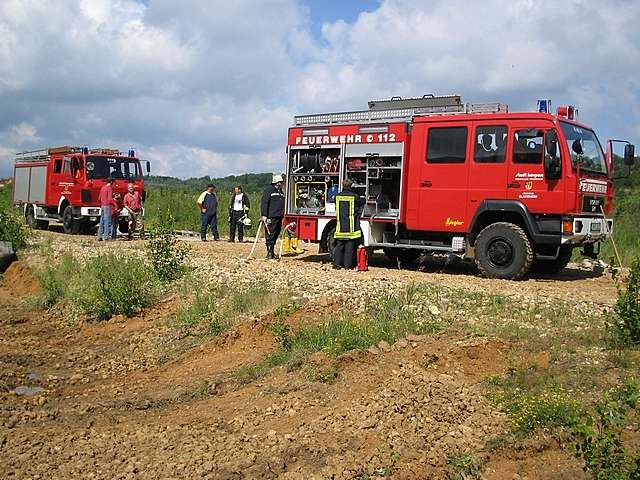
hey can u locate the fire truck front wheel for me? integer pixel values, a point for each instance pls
(69, 224)
(503, 250)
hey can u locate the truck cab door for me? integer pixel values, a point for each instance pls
(438, 177)
(56, 181)
(488, 168)
(527, 182)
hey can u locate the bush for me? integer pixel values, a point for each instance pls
(105, 286)
(551, 407)
(112, 285)
(165, 253)
(597, 439)
(625, 327)
(55, 279)
(12, 228)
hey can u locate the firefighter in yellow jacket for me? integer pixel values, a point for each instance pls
(348, 234)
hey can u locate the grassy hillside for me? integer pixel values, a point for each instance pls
(181, 202)
(251, 182)
(626, 229)
(179, 197)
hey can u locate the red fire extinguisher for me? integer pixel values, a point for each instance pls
(363, 259)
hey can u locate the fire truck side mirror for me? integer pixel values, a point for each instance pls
(629, 154)
(551, 143)
(148, 167)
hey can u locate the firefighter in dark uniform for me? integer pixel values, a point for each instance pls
(272, 211)
(348, 234)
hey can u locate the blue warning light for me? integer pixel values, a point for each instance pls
(544, 105)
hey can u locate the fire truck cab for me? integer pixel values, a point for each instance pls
(62, 185)
(514, 191)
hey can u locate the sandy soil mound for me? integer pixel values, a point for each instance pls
(19, 278)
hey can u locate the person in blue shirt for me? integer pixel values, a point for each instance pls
(208, 205)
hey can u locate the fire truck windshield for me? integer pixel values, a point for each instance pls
(115, 167)
(584, 148)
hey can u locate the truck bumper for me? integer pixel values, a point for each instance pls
(89, 211)
(581, 230)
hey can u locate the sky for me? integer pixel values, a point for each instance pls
(209, 87)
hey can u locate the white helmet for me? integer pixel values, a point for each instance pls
(277, 178)
(246, 221)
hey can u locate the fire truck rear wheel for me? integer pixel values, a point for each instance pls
(553, 266)
(69, 224)
(331, 242)
(33, 223)
(503, 250)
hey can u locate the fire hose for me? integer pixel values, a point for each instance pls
(255, 242)
(266, 227)
(613, 242)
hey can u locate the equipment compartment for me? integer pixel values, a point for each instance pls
(314, 180)
(376, 172)
(307, 229)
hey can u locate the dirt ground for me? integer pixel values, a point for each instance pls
(102, 400)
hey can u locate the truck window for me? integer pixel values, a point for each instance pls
(116, 167)
(57, 166)
(447, 145)
(527, 146)
(67, 166)
(75, 168)
(491, 144)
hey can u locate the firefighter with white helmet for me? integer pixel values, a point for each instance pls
(272, 211)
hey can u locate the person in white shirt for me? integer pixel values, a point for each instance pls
(238, 208)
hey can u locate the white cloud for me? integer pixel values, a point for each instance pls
(199, 162)
(23, 133)
(583, 52)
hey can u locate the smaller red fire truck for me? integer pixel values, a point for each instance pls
(513, 191)
(61, 185)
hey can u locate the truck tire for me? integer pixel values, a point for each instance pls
(331, 242)
(553, 266)
(87, 228)
(503, 250)
(69, 224)
(7, 256)
(33, 223)
(123, 225)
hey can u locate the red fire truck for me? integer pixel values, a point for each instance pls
(514, 191)
(62, 184)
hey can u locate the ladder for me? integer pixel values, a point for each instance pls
(41, 155)
(398, 109)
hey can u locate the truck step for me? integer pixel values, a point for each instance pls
(415, 246)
